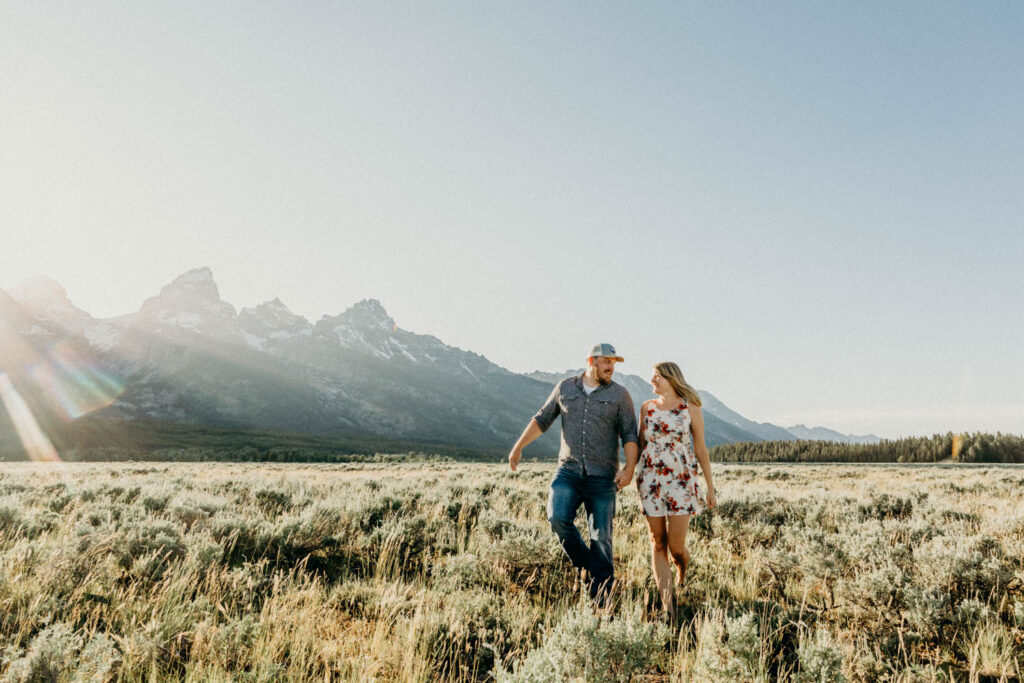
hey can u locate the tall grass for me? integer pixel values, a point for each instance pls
(427, 572)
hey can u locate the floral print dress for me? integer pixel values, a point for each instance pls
(667, 476)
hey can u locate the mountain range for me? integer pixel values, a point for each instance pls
(187, 357)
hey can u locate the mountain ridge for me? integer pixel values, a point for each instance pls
(187, 356)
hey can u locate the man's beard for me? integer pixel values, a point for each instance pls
(602, 379)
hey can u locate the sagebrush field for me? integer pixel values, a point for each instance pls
(416, 572)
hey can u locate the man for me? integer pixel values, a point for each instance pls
(596, 415)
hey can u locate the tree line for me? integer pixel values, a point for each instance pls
(979, 447)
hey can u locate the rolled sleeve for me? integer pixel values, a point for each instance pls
(627, 419)
(551, 409)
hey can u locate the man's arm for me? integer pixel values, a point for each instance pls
(628, 434)
(538, 425)
(529, 434)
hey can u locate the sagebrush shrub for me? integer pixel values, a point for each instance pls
(97, 660)
(523, 553)
(156, 502)
(821, 659)
(273, 502)
(229, 643)
(927, 610)
(51, 656)
(156, 536)
(464, 637)
(459, 572)
(586, 647)
(729, 649)
(884, 506)
(879, 588)
(971, 611)
(11, 521)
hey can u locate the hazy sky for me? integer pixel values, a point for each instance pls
(815, 208)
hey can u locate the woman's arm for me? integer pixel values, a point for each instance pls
(697, 427)
(641, 441)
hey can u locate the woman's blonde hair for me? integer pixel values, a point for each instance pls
(674, 376)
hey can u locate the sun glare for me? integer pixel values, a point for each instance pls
(73, 384)
(63, 380)
(36, 443)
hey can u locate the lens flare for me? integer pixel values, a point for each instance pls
(36, 443)
(75, 385)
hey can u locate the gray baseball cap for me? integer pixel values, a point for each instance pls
(606, 351)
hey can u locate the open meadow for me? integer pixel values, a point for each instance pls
(422, 572)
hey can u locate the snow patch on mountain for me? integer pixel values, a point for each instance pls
(270, 323)
(102, 336)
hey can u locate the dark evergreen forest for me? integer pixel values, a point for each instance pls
(95, 439)
(980, 448)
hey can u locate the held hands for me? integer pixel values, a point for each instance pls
(623, 477)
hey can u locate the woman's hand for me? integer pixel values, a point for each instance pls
(709, 500)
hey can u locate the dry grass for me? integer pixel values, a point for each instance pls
(449, 572)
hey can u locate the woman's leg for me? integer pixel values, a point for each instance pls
(659, 561)
(677, 527)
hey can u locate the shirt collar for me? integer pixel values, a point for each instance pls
(579, 385)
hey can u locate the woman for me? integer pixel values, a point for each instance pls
(671, 445)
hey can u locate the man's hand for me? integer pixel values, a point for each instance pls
(514, 457)
(623, 477)
(531, 432)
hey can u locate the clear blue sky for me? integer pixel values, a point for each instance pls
(815, 208)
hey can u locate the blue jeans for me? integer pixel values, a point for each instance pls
(597, 494)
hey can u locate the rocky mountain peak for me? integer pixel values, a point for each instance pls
(15, 326)
(40, 289)
(194, 290)
(8, 306)
(273, 307)
(195, 285)
(367, 313)
(271, 317)
(45, 298)
(191, 301)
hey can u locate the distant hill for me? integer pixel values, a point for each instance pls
(823, 434)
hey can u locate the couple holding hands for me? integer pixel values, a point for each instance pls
(597, 414)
